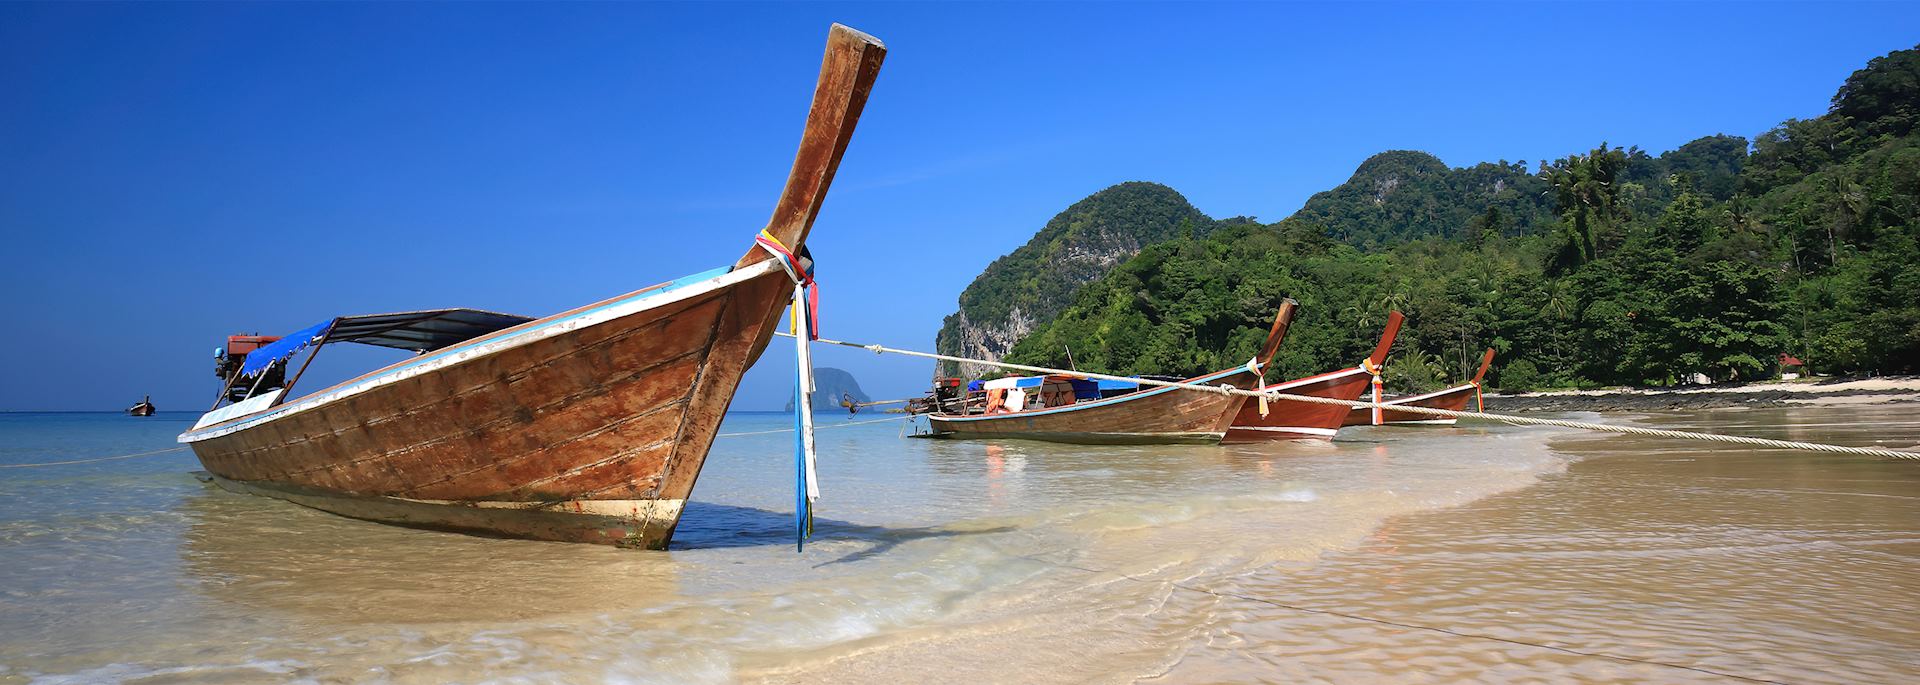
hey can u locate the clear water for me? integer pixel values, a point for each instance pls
(985, 561)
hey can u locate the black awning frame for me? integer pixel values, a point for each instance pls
(421, 331)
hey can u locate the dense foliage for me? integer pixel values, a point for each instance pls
(1606, 267)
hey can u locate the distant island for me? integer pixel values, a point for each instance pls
(828, 385)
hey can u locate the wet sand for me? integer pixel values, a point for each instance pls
(1646, 561)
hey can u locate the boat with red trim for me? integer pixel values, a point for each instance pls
(1285, 419)
(1450, 399)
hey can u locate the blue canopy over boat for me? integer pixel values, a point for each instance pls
(259, 360)
(422, 331)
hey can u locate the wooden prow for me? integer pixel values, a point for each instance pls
(1485, 362)
(846, 77)
(1278, 333)
(1386, 340)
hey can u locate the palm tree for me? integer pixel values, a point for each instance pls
(1586, 188)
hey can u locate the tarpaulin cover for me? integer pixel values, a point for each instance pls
(1016, 382)
(1084, 389)
(1117, 385)
(258, 360)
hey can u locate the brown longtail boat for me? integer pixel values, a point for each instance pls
(1284, 419)
(142, 408)
(1450, 399)
(590, 425)
(1160, 415)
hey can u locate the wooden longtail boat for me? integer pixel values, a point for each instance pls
(1161, 415)
(143, 408)
(1450, 399)
(586, 426)
(1285, 419)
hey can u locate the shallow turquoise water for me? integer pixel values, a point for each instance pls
(132, 571)
(1003, 561)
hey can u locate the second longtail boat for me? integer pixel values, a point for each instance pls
(1284, 419)
(1063, 408)
(1450, 399)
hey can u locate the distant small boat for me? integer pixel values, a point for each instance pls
(1450, 399)
(590, 425)
(1072, 409)
(143, 408)
(1284, 419)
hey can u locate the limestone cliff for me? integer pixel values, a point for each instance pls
(1029, 286)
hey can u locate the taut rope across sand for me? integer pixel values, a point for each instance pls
(1503, 418)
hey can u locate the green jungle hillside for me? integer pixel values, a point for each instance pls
(1611, 266)
(1035, 282)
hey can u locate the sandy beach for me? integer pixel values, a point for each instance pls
(1819, 392)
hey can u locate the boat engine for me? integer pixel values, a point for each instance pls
(228, 360)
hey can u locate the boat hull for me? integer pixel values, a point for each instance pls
(1296, 420)
(1158, 416)
(622, 523)
(574, 429)
(1450, 399)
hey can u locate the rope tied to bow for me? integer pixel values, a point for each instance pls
(799, 267)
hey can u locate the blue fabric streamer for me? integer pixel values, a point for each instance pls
(258, 360)
(801, 507)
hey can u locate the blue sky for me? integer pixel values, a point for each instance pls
(170, 174)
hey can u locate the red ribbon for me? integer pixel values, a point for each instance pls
(804, 275)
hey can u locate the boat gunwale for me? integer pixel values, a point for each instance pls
(1428, 396)
(1102, 402)
(651, 297)
(1297, 382)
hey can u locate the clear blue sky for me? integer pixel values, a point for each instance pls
(170, 174)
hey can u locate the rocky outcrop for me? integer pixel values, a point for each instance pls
(1035, 282)
(829, 386)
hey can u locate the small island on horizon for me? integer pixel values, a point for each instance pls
(829, 386)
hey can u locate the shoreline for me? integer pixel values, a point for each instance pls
(1819, 392)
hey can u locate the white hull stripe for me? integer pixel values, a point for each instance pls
(676, 291)
(1290, 429)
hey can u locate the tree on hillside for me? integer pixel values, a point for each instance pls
(1882, 99)
(1586, 190)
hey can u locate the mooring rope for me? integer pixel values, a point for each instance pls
(89, 461)
(816, 427)
(1503, 418)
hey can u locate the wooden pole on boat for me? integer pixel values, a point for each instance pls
(1379, 358)
(1485, 362)
(317, 344)
(1282, 320)
(846, 77)
(224, 387)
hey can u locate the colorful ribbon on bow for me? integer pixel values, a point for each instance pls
(802, 276)
(805, 309)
